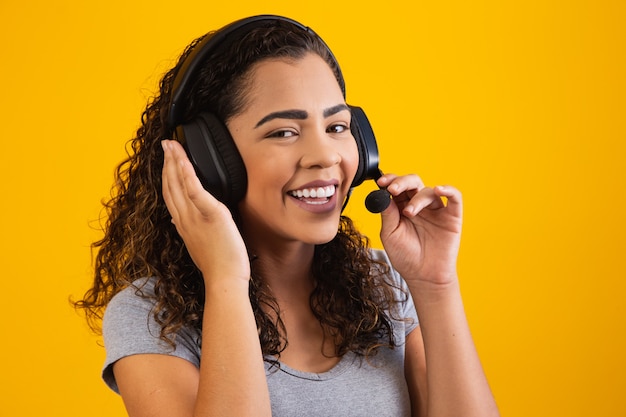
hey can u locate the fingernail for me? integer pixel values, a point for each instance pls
(164, 145)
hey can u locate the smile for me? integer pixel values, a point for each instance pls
(314, 195)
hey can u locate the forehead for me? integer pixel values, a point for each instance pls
(292, 82)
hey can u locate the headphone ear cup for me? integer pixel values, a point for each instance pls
(366, 143)
(215, 158)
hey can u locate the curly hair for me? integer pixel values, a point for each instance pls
(351, 299)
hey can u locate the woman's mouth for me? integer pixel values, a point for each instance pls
(314, 195)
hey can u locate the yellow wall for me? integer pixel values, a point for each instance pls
(521, 104)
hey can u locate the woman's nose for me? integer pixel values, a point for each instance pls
(319, 151)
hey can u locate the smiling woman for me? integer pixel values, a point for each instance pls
(257, 296)
(301, 143)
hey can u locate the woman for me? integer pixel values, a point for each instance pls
(271, 303)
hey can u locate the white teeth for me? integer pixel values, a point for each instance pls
(320, 192)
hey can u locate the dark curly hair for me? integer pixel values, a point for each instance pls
(352, 299)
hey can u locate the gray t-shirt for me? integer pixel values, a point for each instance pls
(355, 386)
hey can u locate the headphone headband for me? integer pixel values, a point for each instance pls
(219, 40)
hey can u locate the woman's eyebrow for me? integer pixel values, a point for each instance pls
(300, 114)
(285, 114)
(335, 109)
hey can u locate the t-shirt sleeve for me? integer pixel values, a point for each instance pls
(129, 328)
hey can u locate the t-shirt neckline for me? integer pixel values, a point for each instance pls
(340, 367)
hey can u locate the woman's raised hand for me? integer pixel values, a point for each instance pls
(205, 224)
(421, 229)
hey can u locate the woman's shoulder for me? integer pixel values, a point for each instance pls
(130, 302)
(129, 327)
(381, 257)
(130, 315)
(129, 309)
(400, 289)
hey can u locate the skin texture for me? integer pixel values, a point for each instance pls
(293, 133)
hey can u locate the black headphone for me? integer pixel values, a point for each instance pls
(208, 142)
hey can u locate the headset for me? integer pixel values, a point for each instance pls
(208, 142)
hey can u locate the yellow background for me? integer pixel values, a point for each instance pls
(521, 104)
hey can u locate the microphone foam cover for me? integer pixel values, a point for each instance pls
(378, 201)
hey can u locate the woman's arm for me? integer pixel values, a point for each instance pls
(421, 234)
(444, 362)
(231, 379)
(415, 372)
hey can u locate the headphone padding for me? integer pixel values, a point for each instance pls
(215, 157)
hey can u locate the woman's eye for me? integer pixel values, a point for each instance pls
(282, 134)
(339, 128)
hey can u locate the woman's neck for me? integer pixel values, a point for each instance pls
(285, 268)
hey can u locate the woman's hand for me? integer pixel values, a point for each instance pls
(421, 229)
(205, 224)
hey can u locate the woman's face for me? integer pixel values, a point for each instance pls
(295, 140)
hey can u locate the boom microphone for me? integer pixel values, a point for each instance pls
(378, 200)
